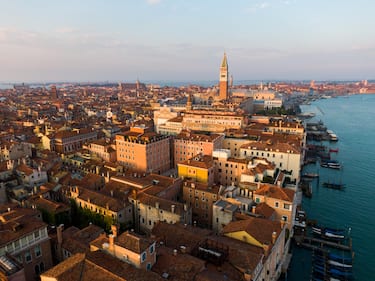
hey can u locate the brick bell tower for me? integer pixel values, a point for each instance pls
(223, 81)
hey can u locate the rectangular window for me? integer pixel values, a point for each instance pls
(27, 256)
(36, 235)
(287, 206)
(143, 257)
(38, 251)
(17, 245)
(277, 204)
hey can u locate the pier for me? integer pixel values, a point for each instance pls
(319, 244)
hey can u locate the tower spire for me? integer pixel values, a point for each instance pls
(223, 81)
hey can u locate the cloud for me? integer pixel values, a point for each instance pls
(288, 2)
(65, 30)
(258, 6)
(153, 2)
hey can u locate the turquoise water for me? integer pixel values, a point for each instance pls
(352, 118)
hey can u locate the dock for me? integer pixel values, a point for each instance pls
(319, 244)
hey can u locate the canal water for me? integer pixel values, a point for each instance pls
(352, 118)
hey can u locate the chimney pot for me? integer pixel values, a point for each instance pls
(274, 236)
(111, 239)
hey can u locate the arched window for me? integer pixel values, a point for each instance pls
(41, 267)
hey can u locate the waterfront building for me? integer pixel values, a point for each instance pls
(265, 234)
(143, 150)
(282, 200)
(234, 260)
(287, 157)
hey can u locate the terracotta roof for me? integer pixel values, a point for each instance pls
(201, 186)
(259, 229)
(276, 192)
(185, 135)
(78, 240)
(100, 199)
(176, 235)
(49, 205)
(241, 255)
(264, 210)
(273, 147)
(133, 242)
(179, 267)
(23, 168)
(199, 161)
(177, 119)
(18, 222)
(164, 204)
(142, 181)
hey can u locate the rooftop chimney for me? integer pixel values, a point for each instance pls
(111, 239)
(274, 236)
(282, 223)
(59, 231)
(114, 229)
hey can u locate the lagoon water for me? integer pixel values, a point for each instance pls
(352, 118)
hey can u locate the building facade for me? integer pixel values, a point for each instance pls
(188, 144)
(199, 168)
(26, 239)
(200, 197)
(70, 141)
(144, 151)
(103, 149)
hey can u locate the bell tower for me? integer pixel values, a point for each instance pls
(223, 81)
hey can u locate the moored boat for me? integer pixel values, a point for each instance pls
(329, 233)
(310, 175)
(334, 185)
(332, 164)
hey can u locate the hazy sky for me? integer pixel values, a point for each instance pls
(120, 40)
